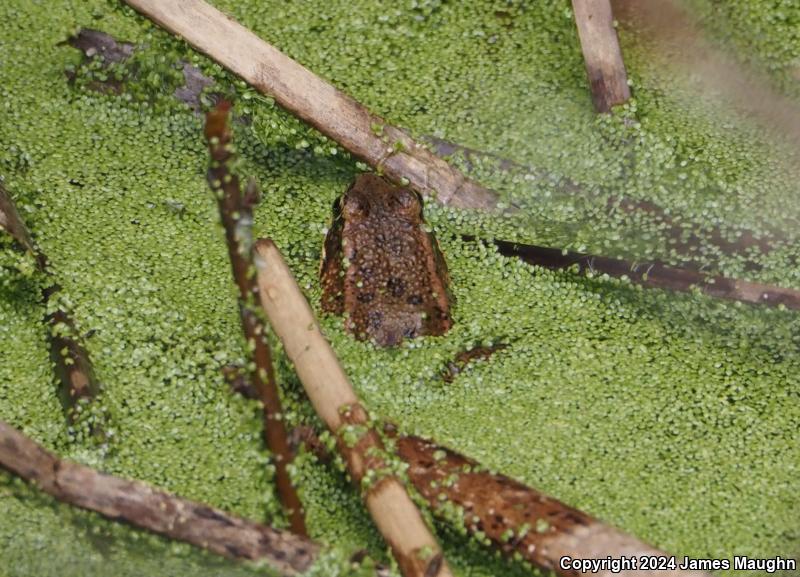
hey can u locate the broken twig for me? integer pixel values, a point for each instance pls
(601, 53)
(236, 213)
(397, 518)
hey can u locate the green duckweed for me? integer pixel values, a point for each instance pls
(674, 417)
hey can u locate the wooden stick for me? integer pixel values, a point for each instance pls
(149, 508)
(72, 363)
(236, 214)
(515, 519)
(652, 275)
(12, 223)
(397, 518)
(367, 136)
(601, 53)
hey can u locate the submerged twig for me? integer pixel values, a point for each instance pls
(236, 214)
(669, 226)
(11, 222)
(72, 363)
(99, 45)
(652, 274)
(330, 391)
(465, 358)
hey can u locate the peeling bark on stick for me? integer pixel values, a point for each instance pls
(397, 518)
(367, 136)
(515, 518)
(652, 275)
(601, 53)
(149, 508)
(236, 213)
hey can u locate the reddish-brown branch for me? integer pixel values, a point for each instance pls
(236, 214)
(72, 363)
(515, 519)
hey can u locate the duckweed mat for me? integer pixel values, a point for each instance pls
(674, 417)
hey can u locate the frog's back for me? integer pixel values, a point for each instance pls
(382, 268)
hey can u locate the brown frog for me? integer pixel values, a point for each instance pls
(381, 267)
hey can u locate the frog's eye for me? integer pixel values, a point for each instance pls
(355, 206)
(407, 201)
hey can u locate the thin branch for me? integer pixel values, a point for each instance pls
(149, 508)
(67, 351)
(236, 214)
(332, 395)
(367, 136)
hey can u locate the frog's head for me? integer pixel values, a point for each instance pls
(372, 196)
